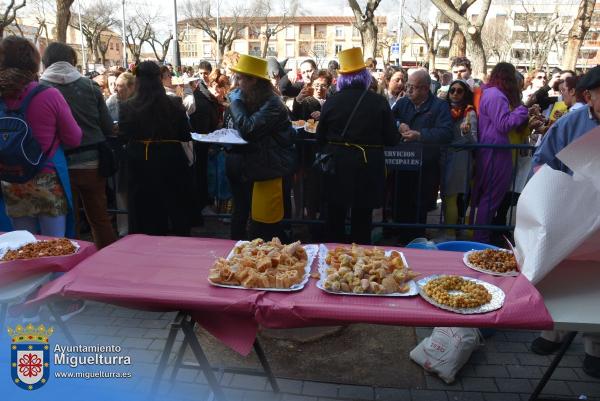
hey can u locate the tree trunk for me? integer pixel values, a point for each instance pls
(431, 60)
(577, 33)
(458, 47)
(476, 54)
(1, 32)
(63, 16)
(265, 48)
(369, 40)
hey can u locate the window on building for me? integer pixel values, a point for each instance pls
(304, 49)
(588, 54)
(253, 33)
(421, 51)
(110, 45)
(306, 30)
(338, 48)
(241, 33)
(117, 46)
(254, 49)
(206, 50)
(443, 52)
(320, 31)
(320, 49)
(290, 32)
(271, 51)
(520, 36)
(290, 50)
(339, 32)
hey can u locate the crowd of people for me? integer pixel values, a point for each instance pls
(136, 125)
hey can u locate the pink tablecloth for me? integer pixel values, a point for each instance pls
(170, 273)
(19, 269)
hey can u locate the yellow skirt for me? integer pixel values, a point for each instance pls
(267, 201)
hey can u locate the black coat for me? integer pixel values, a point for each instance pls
(270, 151)
(206, 117)
(356, 183)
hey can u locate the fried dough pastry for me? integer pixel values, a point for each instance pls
(53, 247)
(366, 271)
(260, 264)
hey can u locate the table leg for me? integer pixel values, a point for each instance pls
(179, 359)
(188, 330)
(58, 320)
(164, 357)
(561, 352)
(266, 367)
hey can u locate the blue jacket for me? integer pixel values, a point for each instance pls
(432, 119)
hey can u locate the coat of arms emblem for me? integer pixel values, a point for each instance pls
(30, 355)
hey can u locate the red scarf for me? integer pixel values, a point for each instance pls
(460, 112)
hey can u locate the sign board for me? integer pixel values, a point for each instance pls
(395, 49)
(406, 157)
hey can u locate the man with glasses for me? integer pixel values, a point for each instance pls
(422, 119)
(308, 103)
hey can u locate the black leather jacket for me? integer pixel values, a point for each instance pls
(268, 131)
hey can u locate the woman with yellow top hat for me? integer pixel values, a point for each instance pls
(256, 171)
(354, 125)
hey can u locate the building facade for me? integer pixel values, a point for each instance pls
(319, 38)
(524, 33)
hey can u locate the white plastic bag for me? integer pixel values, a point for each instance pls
(446, 350)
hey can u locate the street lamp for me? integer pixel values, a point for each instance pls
(176, 59)
(83, 55)
(124, 34)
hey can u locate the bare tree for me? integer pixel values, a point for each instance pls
(366, 25)
(63, 16)
(542, 30)
(200, 16)
(43, 12)
(384, 48)
(103, 44)
(427, 33)
(137, 33)
(9, 15)
(96, 18)
(581, 25)
(266, 24)
(470, 29)
(317, 52)
(160, 46)
(496, 39)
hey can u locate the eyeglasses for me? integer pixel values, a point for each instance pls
(458, 91)
(410, 87)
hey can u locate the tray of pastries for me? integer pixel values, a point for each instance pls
(261, 265)
(39, 249)
(460, 294)
(298, 124)
(356, 270)
(498, 262)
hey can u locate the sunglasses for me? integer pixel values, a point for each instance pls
(458, 91)
(541, 77)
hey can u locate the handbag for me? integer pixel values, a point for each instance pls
(325, 161)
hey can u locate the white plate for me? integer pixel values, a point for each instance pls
(413, 289)
(479, 269)
(496, 302)
(17, 239)
(311, 253)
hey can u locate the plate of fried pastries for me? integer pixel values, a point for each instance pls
(357, 270)
(498, 262)
(460, 294)
(298, 124)
(311, 126)
(268, 266)
(22, 245)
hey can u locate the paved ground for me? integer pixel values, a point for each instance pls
(502, 370)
